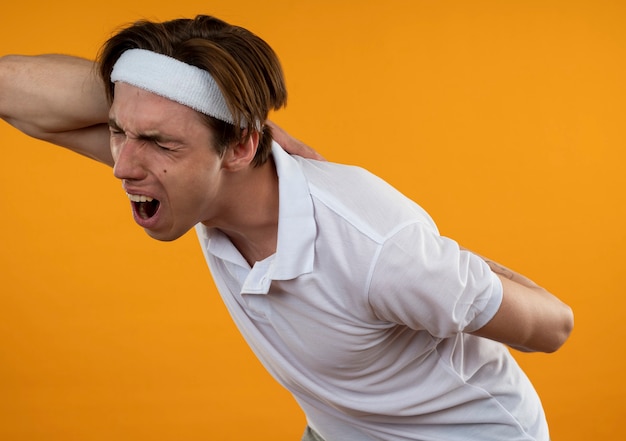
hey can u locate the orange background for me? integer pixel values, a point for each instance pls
(504, 119)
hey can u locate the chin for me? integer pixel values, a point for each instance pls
(163, 237)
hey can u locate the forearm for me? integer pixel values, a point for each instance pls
(530, 318)
(508, 273)
(56, 98)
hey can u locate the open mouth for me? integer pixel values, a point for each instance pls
(144, 206)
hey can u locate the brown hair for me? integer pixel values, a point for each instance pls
(244, 66)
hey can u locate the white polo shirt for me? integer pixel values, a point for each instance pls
(361, 314)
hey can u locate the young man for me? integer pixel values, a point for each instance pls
(380, 327)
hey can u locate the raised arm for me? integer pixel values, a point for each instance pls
(56, 98)
(530, 318)
(60, 99)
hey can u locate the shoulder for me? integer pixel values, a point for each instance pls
(361, 198)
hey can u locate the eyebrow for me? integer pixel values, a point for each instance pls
(155, 137)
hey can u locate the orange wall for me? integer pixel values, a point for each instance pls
(504, 119)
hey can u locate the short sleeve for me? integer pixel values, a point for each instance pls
(426, 282)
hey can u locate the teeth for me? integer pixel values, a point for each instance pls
(139, 197)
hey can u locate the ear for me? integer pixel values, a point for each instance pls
(240, 154)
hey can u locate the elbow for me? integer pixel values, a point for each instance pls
(11, 70)
(565, 326)
(552, 335)
(5, 66)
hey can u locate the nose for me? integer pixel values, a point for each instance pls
(128, 160)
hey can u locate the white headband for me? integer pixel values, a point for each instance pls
(172, 79)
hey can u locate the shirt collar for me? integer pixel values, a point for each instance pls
(296, 225)
(296, 222)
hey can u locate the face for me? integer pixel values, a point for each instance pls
(165, 157)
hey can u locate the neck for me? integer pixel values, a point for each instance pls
(251, 216)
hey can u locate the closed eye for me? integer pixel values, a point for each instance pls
(114, 128)
(162, 146)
